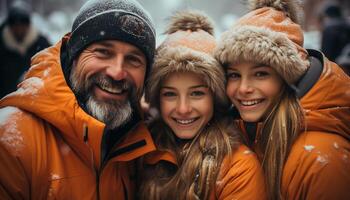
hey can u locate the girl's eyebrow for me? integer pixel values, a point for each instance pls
(258, 65)
(192, 87)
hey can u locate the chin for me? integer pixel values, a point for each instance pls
(250, 118)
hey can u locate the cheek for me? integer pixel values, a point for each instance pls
(88, 64)
(138, 77)
(271, 89)
(165, 108)
(230, 89)
(207, 108)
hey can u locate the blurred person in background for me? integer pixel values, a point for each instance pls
(19, 41)
(344, 59)
(335, 31)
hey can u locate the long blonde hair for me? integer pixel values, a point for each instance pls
(199, 161)
(280, 129)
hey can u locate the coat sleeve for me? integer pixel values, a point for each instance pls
(13, 181)
(318, 167)
(21, 174)
(241, 177)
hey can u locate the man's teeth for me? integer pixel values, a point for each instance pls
(111, 90)
(185, 121)
(250, 103)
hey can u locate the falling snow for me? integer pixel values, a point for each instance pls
(55, 176)
(309, 148)
(46, 72)
(29, 87)
(322, 159)
(65, 149)
(246, 152)
(12, 137)
(336, 145)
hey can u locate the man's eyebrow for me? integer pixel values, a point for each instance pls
(105, 43)
(137, 52)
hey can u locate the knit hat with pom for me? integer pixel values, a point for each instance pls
(270, 35)
(188, 47)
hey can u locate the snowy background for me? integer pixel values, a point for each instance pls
(54, 17)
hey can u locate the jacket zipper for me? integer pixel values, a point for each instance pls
(85, 138)
(111, 155)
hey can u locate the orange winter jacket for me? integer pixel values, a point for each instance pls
(318, 165)
(240, 177)
(51, 149)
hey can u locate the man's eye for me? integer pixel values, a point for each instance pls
(135, 61)
(102, 52)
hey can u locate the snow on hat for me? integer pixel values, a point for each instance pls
(269, 34)
(124, 20)
(187, 48)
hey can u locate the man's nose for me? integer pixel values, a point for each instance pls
(116, 69)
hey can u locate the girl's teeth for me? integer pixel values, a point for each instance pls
(250, 103)
(185, 121)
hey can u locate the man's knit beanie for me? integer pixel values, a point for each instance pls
(123, 20)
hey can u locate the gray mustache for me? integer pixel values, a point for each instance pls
(107, 81)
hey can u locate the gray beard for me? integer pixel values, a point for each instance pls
(112, 114)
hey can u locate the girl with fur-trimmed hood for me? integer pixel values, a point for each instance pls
(294, 104)
(200, 154)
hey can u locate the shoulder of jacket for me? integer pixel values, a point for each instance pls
(317, 150)
(20, 130)
(242, 160)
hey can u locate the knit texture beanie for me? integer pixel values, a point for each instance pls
(270, 35)
(188, 47)
(123, 20)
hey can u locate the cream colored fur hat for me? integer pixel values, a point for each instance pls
(188, 47)
(270, 34)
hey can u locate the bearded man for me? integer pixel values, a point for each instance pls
(74, 127)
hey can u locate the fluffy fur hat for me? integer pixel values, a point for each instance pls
(188, 47)
(269, 34)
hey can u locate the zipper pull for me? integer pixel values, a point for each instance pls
(85, 133)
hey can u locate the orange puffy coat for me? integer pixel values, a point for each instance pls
(240, 176)
(318, 165)
(51, 149)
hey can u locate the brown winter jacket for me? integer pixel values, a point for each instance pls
(240, 177)
(51, 149)
(318, 166)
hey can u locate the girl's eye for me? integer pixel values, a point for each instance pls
(168, 94)
(232, 75)
(197, 93)
(261, 74)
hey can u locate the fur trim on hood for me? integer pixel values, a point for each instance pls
(20, 47)
(188, 49)
(268, 36)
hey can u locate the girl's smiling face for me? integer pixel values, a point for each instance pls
(186, 104)
(252, 88)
